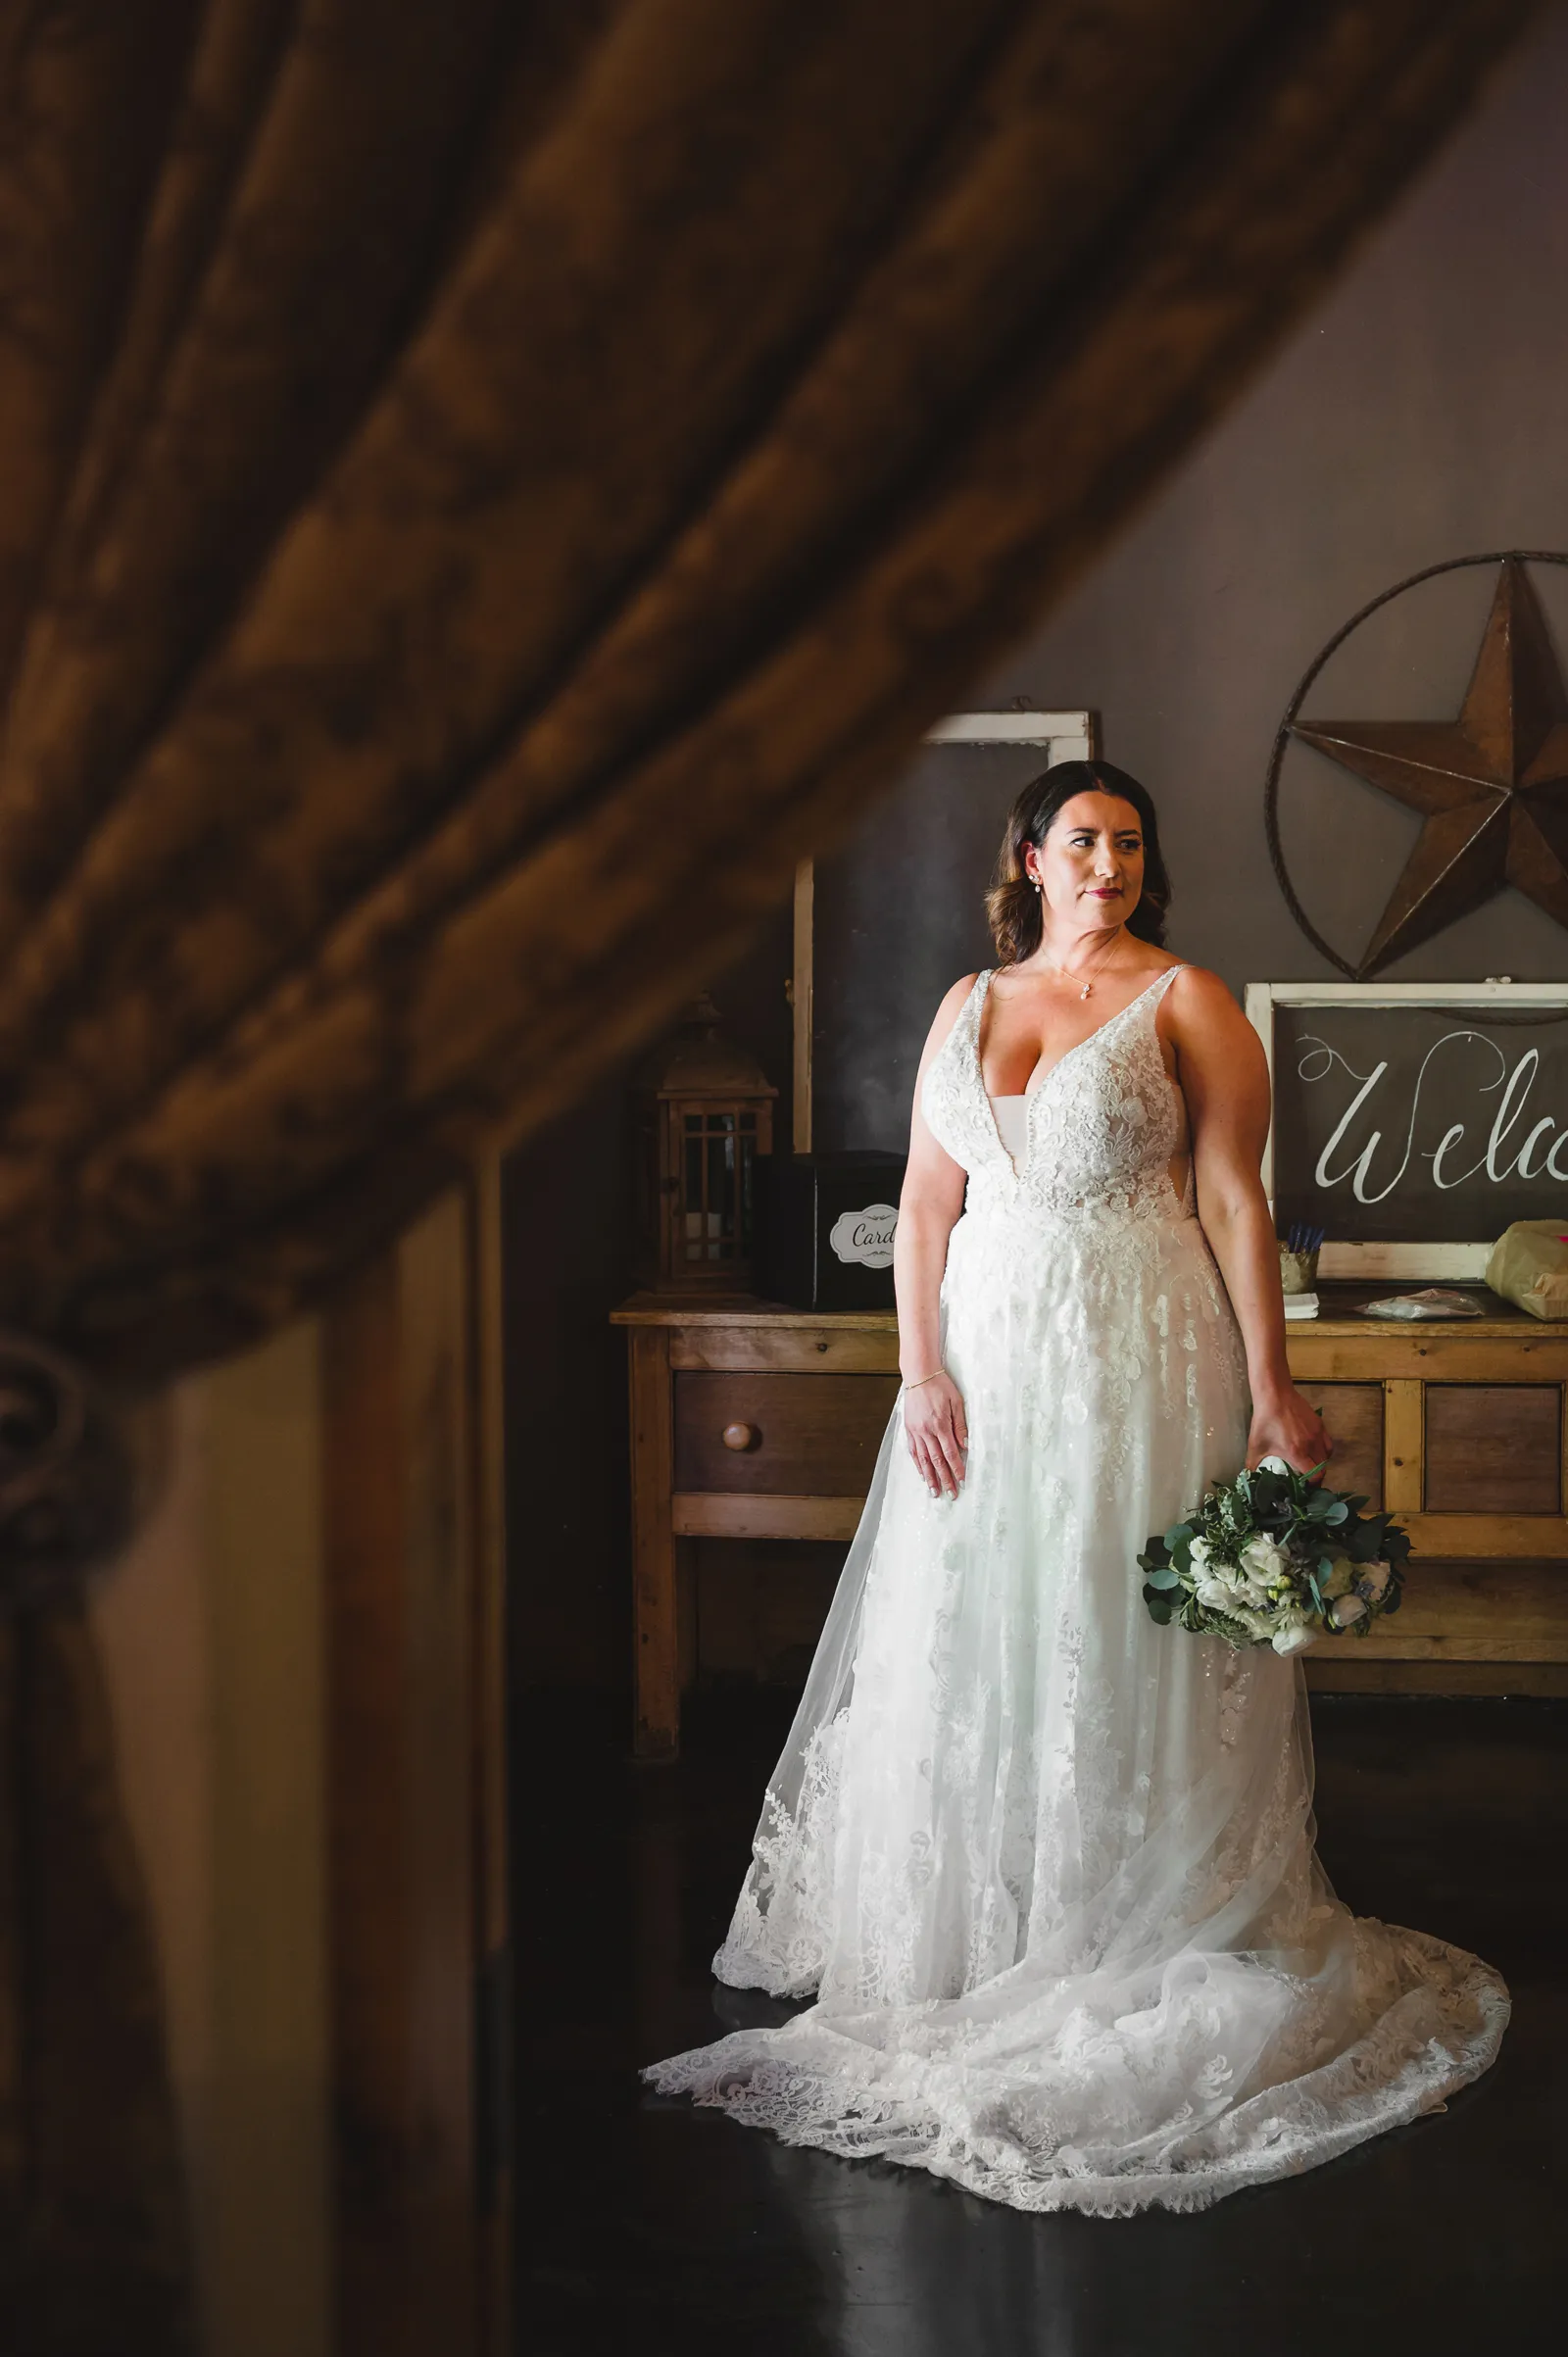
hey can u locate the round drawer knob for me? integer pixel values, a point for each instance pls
(740, 1435)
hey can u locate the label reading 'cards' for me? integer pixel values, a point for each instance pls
(865, 1236)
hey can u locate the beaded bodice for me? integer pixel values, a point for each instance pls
(1103, 1126)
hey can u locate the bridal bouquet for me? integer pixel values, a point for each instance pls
(1272, 1559)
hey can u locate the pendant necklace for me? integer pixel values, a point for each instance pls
(1069, 975)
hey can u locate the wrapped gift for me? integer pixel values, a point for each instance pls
(1529, 1266)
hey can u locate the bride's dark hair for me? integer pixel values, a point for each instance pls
(1014, 906)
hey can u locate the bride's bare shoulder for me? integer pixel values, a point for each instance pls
(1197, 985)
(1200, 1002)
(949, 1012)
(956, 996)
(953, 1006)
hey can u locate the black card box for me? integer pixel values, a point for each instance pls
(824, 1229)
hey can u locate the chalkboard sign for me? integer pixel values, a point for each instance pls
(1413, 1122)
(885, 948)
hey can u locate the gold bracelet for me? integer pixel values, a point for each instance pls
(925, 1378)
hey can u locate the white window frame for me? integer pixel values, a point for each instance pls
(1379, 1261)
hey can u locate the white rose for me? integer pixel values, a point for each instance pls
(1272, 1464)
(1293, 1636)
(1374, 1581)
(1198, 1552)
(1257, 1625)
(1217, 1587)
(1265, 1559)
(1347, 1610)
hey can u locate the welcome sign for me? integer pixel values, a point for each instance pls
(1414, 1123)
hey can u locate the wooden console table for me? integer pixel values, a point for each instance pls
(752, 1421)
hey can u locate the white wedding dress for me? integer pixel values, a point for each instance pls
(1048, 1868)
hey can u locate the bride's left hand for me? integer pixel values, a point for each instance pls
(1288, 1427)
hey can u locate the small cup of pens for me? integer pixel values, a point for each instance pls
(1299, 1252)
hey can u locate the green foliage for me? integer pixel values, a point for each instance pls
(1313, 1525)
(1220, 1624)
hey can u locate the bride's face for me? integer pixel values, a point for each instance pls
(1090, 864)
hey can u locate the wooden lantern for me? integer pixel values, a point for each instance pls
(705, 1112)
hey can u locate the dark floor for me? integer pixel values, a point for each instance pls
(651, 2228)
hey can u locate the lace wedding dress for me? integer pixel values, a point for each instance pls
(1048, 1868)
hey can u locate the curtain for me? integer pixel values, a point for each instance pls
(94, 2250)
(487, 487)
(490, 486)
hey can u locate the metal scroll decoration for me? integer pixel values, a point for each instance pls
(1490, 784)
(66, 1489)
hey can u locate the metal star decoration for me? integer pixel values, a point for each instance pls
(1492, 786)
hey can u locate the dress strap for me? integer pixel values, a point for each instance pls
(968, 1023)
(1151, 996)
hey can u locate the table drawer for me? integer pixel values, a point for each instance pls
(1494, 1449)
(793, 1434)
(1353, 1415)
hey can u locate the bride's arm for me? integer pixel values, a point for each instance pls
(1224, 1078)
(928, 1210)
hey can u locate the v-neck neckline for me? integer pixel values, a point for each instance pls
(982, 991)
(1037, 1085)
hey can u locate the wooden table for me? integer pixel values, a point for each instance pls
(752, 1421)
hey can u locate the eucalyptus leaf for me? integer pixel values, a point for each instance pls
(1315, 1526)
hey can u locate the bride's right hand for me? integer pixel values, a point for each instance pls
(938, 1436)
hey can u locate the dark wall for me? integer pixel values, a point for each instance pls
(1421, 415)
(1418, 415)
(567, 1258)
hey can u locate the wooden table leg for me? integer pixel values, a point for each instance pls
(654, 1561)
(686, 1614)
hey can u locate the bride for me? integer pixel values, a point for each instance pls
(1047, 1868)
